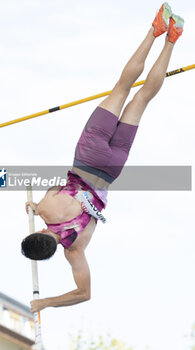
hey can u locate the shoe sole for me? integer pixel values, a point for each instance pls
(167, 13)
(179, 21)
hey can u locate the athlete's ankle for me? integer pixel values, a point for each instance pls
(167, 42)
(152, 32)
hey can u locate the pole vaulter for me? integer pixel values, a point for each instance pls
(71, 212)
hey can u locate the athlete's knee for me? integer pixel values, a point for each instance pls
(122, 89)
(130, 73)
(115, 101)
(143, 96)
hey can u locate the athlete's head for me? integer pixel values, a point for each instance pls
(39, 246)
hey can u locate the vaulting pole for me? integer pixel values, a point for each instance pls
(38, 340)
(70, 104)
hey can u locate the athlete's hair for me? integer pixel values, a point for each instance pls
(38, 246)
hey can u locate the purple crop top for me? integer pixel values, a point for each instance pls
(70, 230)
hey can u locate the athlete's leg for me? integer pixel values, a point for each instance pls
(93, 147)
(115, 101)
(125, 132)
(134, 110)
(155, 78)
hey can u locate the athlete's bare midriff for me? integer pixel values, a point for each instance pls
(94, 179)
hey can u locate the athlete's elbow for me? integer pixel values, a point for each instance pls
(86, 295)
(86, 298)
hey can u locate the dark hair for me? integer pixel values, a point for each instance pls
(38, 246)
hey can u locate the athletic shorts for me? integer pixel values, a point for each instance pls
(104, 145)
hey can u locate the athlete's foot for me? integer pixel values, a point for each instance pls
(161, 21)
(175, 29)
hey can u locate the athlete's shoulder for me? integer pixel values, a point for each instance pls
(84, 237)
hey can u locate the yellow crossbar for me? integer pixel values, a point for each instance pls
(90, 98)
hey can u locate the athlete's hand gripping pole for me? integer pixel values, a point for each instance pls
(38, 339)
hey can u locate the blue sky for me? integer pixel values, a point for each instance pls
(55, 52)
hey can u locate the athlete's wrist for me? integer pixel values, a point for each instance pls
(49, 302)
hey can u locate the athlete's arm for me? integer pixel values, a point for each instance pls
(81, 273)
(76, 257)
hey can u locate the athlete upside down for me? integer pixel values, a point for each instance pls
(100, 155)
